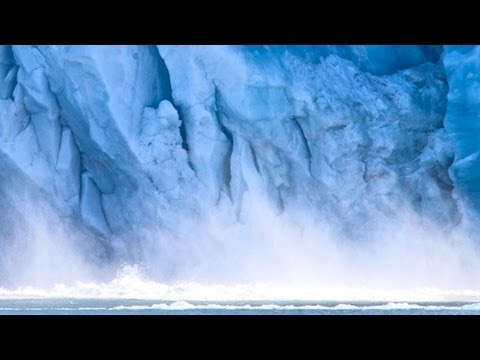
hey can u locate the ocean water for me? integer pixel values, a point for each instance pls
(142, 307)
(131, 293)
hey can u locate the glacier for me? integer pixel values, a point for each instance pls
(214, 161)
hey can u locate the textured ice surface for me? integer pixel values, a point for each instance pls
(122, 142)
(462, 66)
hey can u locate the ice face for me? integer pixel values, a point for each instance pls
(129, 140)
(320, 134)
(462, 71)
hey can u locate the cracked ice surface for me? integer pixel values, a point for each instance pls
(126, 141)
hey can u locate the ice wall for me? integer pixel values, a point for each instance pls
(126, 141)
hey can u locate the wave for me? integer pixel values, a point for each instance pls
(131, 284)
(184, 306)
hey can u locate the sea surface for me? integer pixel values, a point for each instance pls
(142, 307)
(131, 293)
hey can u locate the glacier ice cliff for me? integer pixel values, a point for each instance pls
(125, 150)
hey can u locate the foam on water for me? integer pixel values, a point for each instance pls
(132, 284)
(183, 307)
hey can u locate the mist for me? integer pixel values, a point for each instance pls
(263, 255)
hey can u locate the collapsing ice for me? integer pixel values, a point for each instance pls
(231, 164)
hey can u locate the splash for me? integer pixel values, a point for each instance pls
(131, 283)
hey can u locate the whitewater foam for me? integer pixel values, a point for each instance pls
(132, 284)
(185, 308)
